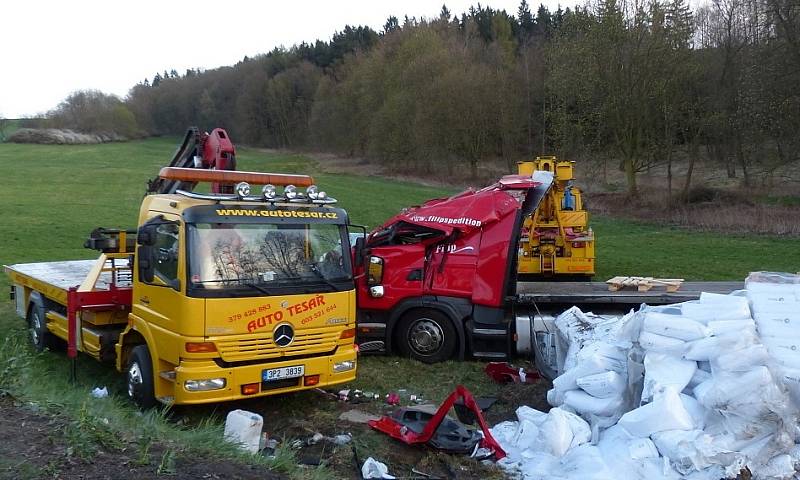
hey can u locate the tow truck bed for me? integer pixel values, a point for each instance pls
(597, 293)
(63, 275)
(54, 279)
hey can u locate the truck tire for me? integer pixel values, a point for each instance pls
(41, 338)
(139, 377)
(427, 335)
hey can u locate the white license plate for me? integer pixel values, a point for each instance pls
(283, 372)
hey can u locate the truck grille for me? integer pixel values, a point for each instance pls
(261, 347)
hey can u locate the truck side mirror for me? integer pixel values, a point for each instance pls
(144, 261)
(358, 251)
(146, 235)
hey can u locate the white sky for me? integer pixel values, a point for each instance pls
(51, 48)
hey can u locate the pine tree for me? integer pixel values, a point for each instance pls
(526, 23)
(445, 14)
(391, 25)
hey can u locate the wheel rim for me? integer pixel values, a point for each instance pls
(134, 378)
(36, 326)
(425, 337)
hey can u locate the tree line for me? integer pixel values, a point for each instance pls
(622, 84)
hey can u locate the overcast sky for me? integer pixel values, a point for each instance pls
(51, 48)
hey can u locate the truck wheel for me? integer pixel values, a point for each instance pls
(427, 335)
(140, 377)
(41, 338)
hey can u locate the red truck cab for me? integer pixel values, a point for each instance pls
(435, 281)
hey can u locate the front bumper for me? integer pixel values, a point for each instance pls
(237, 376)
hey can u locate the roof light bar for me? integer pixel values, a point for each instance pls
(233, 177)
(218, 197)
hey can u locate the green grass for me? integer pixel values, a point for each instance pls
(53, 196)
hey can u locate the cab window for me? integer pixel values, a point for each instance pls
(166, 253)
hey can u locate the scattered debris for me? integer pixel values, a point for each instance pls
(98, 392)
(424, 475)
(243, 428)
(357, 416)
(418, 425)
(465, 415)
(503, 372)
(269, 448)
(342, 439)
(315, 439)
(375, 469)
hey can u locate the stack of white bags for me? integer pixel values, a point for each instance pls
(695, 390)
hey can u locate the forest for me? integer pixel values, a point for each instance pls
(625, 85)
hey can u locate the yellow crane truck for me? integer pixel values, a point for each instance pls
(556, 240)
(216, 296)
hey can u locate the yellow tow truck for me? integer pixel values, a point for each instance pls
(556, 239)
(215, 297)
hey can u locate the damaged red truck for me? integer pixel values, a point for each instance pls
(435, 279)
(439, 281)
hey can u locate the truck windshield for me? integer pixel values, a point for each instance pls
(267, 257)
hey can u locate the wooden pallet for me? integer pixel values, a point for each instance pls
(644, 284)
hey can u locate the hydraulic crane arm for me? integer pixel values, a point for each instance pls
(212, 151)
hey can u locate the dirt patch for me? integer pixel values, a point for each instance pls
(36, 446)
(289, 419)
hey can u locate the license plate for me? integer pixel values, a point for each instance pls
(283, 372)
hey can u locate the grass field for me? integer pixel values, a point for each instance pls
(53, 196)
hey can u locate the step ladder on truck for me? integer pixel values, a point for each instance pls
(215, 296)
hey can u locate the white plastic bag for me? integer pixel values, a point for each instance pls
(586, 404)
(709, 312)
(641, 448)
(741, 360)
(720, 327)
(673, 326)
(653, 342)
(666, 412)
(375, 469)
(594, 358)
(603, 385)
(721, 389)
(665, 371)
(710, 347)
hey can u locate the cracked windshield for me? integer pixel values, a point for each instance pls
(231, 255)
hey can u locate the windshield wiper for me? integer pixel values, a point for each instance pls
(322, 277)
(257, 287)
(237, 281)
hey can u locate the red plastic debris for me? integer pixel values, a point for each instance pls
(502, 372)
(400, 432)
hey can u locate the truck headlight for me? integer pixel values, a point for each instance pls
(339, 367)
(204, 384)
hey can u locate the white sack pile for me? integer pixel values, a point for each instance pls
(696, 390)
